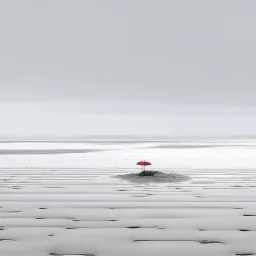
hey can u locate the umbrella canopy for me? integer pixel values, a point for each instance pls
(143, 164)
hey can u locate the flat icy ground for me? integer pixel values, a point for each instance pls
(70, 203)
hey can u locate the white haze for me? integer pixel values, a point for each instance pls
(174, 68)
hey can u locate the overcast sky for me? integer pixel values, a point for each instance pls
(160, 67)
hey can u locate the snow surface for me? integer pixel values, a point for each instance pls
(72, 204)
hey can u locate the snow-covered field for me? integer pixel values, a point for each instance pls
(64, 199)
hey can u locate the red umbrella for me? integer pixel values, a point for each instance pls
(143, 164)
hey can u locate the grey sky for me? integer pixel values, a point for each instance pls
(173, 67)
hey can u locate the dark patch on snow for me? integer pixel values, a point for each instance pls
(173, 240)
(139, 227)
(245, 254)
(244, 230)
(134, 227)
(153, 177)
(209, 242)
(249, 215)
